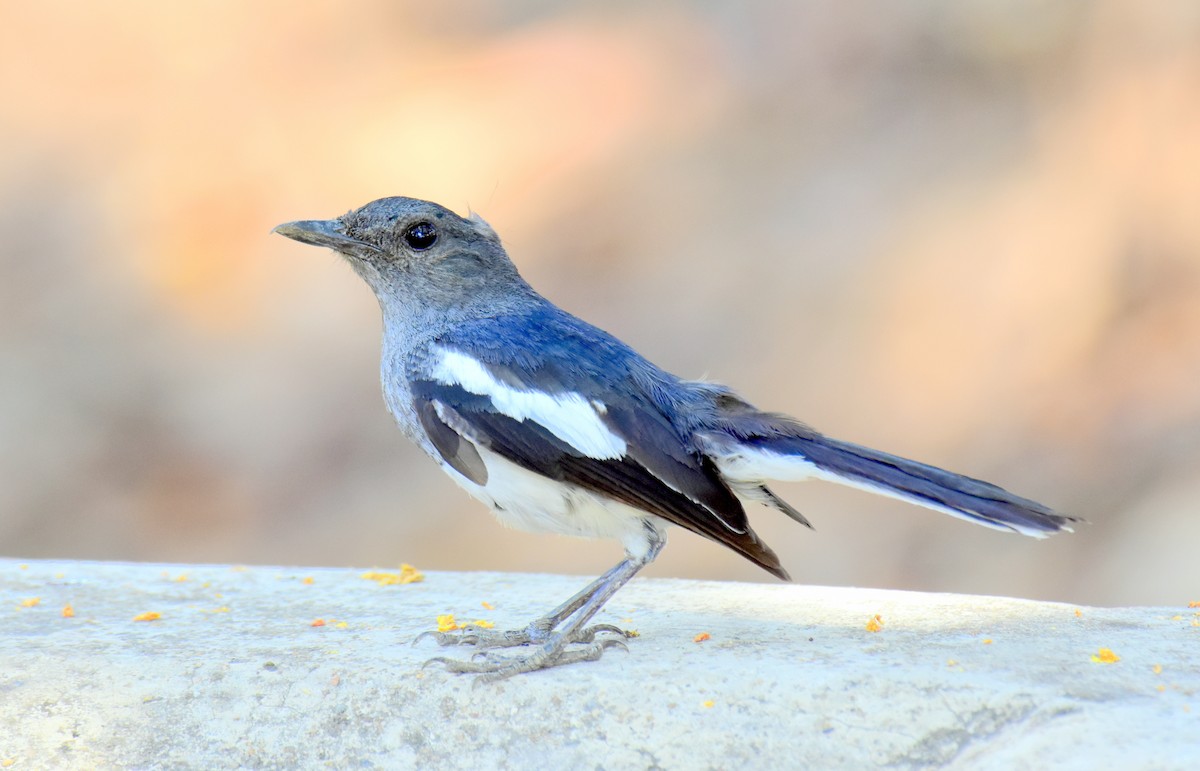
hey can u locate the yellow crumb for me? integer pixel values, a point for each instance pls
(149, 615)
(1160, 688)
(341, 625)
(707, 704)
(181, 578)
(307, 580)
(7, 762)
(222, 609)
(32, 602)
(482, 624)
(1177, 618)
(632, 633)
(1078, 613)
(875, 623)
(407, 575)
(23, 567)
(487, 605)
(446, 623)
(986, 641)
(1105, 656)
(1157, 669)
(1192, 604)
(318, 622)
(702, 637)
(68, 611)
(951, 663)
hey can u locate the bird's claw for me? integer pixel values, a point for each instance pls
(555, 651)
(429, 633)
(598, 628)
(494, 667)
(535, 634)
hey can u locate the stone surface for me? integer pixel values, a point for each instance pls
(235, 674)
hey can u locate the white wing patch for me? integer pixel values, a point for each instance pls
(569, 416)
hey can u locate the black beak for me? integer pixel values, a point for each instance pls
(326, 233)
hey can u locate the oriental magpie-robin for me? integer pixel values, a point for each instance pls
(561, 428)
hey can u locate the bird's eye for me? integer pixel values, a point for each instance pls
(421, 236)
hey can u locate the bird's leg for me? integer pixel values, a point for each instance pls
(537, 631)
(573, 616)
(553, 644)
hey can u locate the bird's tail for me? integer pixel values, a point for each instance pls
(795, 457)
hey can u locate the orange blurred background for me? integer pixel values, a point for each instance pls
(968, 233)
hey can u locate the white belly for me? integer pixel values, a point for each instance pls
(523, 500)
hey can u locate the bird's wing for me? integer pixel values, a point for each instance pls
(591, 426)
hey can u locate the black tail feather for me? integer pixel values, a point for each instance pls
(920, 483)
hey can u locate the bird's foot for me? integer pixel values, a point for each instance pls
(561, 637)
(492, 667)
(537, 633)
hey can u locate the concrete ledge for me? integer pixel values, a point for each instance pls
(234, 674)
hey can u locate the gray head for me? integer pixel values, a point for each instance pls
(420, 258)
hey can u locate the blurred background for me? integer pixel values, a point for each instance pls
(965, 232)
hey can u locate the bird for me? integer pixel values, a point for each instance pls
(559, 427)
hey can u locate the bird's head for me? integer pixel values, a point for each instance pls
(416, 252)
